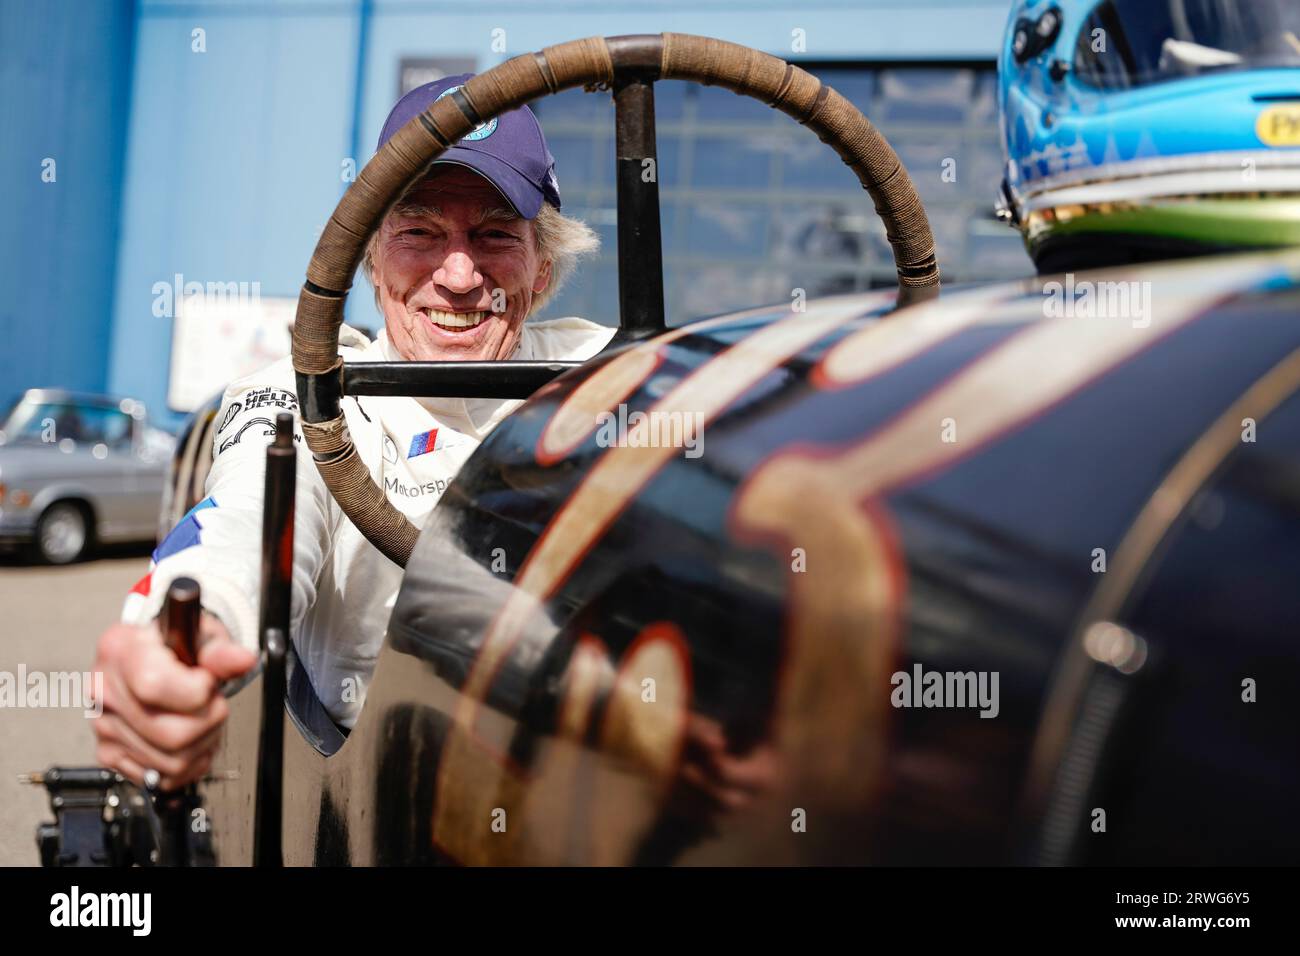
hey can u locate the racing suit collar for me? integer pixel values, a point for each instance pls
(480, 414)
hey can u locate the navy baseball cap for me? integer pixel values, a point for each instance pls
(509, 151)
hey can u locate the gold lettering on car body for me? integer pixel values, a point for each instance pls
(843, 616)
(576, 418)
(474, 777)
(844, 612)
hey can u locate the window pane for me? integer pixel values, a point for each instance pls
(605, 294)
(603, 218)
(984, 109)
(670, 100)
(715, 289)
(925, 158)
(727, 230)
(574, 153)
(733, 162)
(669, 151)
(602, 174)
(808, 163)
(825, 236)
(82, 423)
(924, 95)
(983, 170)
(831, 283)
(856, 86)
(713, 103)
(996, 251)
(822, 231)
(574, 105)
(949, 227)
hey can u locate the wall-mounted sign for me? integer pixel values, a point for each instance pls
(219, 338)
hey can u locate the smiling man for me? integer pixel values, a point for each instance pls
(490, 270)
(457, 267)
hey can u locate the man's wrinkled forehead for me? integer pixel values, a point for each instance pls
(456, 182)
(445, 189)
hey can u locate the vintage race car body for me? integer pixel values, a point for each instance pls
(1096, 516)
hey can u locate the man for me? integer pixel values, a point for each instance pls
(457, 267)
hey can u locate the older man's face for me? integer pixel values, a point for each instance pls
(456, 277)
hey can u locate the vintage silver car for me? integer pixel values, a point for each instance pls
(76, 470)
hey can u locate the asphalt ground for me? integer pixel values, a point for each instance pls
(50, 619)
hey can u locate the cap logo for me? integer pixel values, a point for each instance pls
(482, 130)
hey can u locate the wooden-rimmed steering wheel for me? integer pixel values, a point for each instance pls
(628, 66)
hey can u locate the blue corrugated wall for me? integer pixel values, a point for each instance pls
(65, 89)
(234, 160)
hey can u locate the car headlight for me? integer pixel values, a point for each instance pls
(14, 496)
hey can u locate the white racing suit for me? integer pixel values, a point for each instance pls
(343, 588)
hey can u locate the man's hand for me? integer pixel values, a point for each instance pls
(713, 781)
(158, 713)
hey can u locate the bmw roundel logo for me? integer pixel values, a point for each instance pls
(482, 130)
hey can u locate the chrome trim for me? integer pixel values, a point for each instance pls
(1279, 182)
(1161, 165)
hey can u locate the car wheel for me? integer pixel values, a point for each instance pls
(62, 533)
